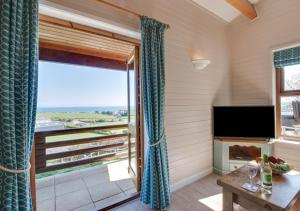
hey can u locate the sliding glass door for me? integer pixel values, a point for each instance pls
(134, 110)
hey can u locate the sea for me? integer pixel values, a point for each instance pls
(80, 109)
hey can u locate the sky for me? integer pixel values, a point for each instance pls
(65, 85)
(291, 76)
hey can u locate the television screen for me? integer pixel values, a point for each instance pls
(244, 121)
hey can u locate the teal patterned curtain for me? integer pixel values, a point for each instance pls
(18, 90)
(287, 57)
(155, 184)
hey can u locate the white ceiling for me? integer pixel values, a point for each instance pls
(221, 8)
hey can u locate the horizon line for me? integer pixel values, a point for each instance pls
(80, 106)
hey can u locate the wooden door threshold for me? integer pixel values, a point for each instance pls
(115, 205)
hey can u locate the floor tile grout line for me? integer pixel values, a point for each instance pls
(46, 186)
(88, 190)
(76, 190)
(78, 207)
(54, 193)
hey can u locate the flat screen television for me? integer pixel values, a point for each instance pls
(244, 121)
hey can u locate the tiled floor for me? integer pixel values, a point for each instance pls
(203, 195)
(84, 189)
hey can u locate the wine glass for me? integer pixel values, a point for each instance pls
(252, 171)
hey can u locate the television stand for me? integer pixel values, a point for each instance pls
(232, 153)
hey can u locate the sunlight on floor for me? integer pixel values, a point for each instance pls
(213, 202)
(293, 173)
(117, 171)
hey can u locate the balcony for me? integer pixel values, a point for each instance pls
(81, 168)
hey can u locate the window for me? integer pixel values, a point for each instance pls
(74, 96)
(288, 101)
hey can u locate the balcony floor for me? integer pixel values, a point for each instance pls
(84, 189)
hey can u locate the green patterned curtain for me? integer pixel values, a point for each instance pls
(155, 184)
(18, 91)
(287, 57)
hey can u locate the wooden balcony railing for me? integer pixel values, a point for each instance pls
(112, 143)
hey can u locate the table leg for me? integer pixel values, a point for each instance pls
(227, 200)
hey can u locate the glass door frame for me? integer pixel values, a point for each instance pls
(137, 176)
(137, 44)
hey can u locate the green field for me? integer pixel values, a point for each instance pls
(82, 135)
(55, 116)
(86, 120)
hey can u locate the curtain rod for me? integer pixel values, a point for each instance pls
(124, 9)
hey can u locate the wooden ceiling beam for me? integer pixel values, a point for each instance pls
(245, 7)
(73, 25)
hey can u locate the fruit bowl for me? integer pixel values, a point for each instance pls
(279, 166)
(277, 171)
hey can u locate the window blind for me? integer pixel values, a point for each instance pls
(287, 57)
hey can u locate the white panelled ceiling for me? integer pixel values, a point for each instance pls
(221, 8)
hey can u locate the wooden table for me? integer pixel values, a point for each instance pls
(286, 190)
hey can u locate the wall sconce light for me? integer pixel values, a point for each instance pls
(200, 64)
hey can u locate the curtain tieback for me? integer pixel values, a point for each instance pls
(15, 171)
(159, 140)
